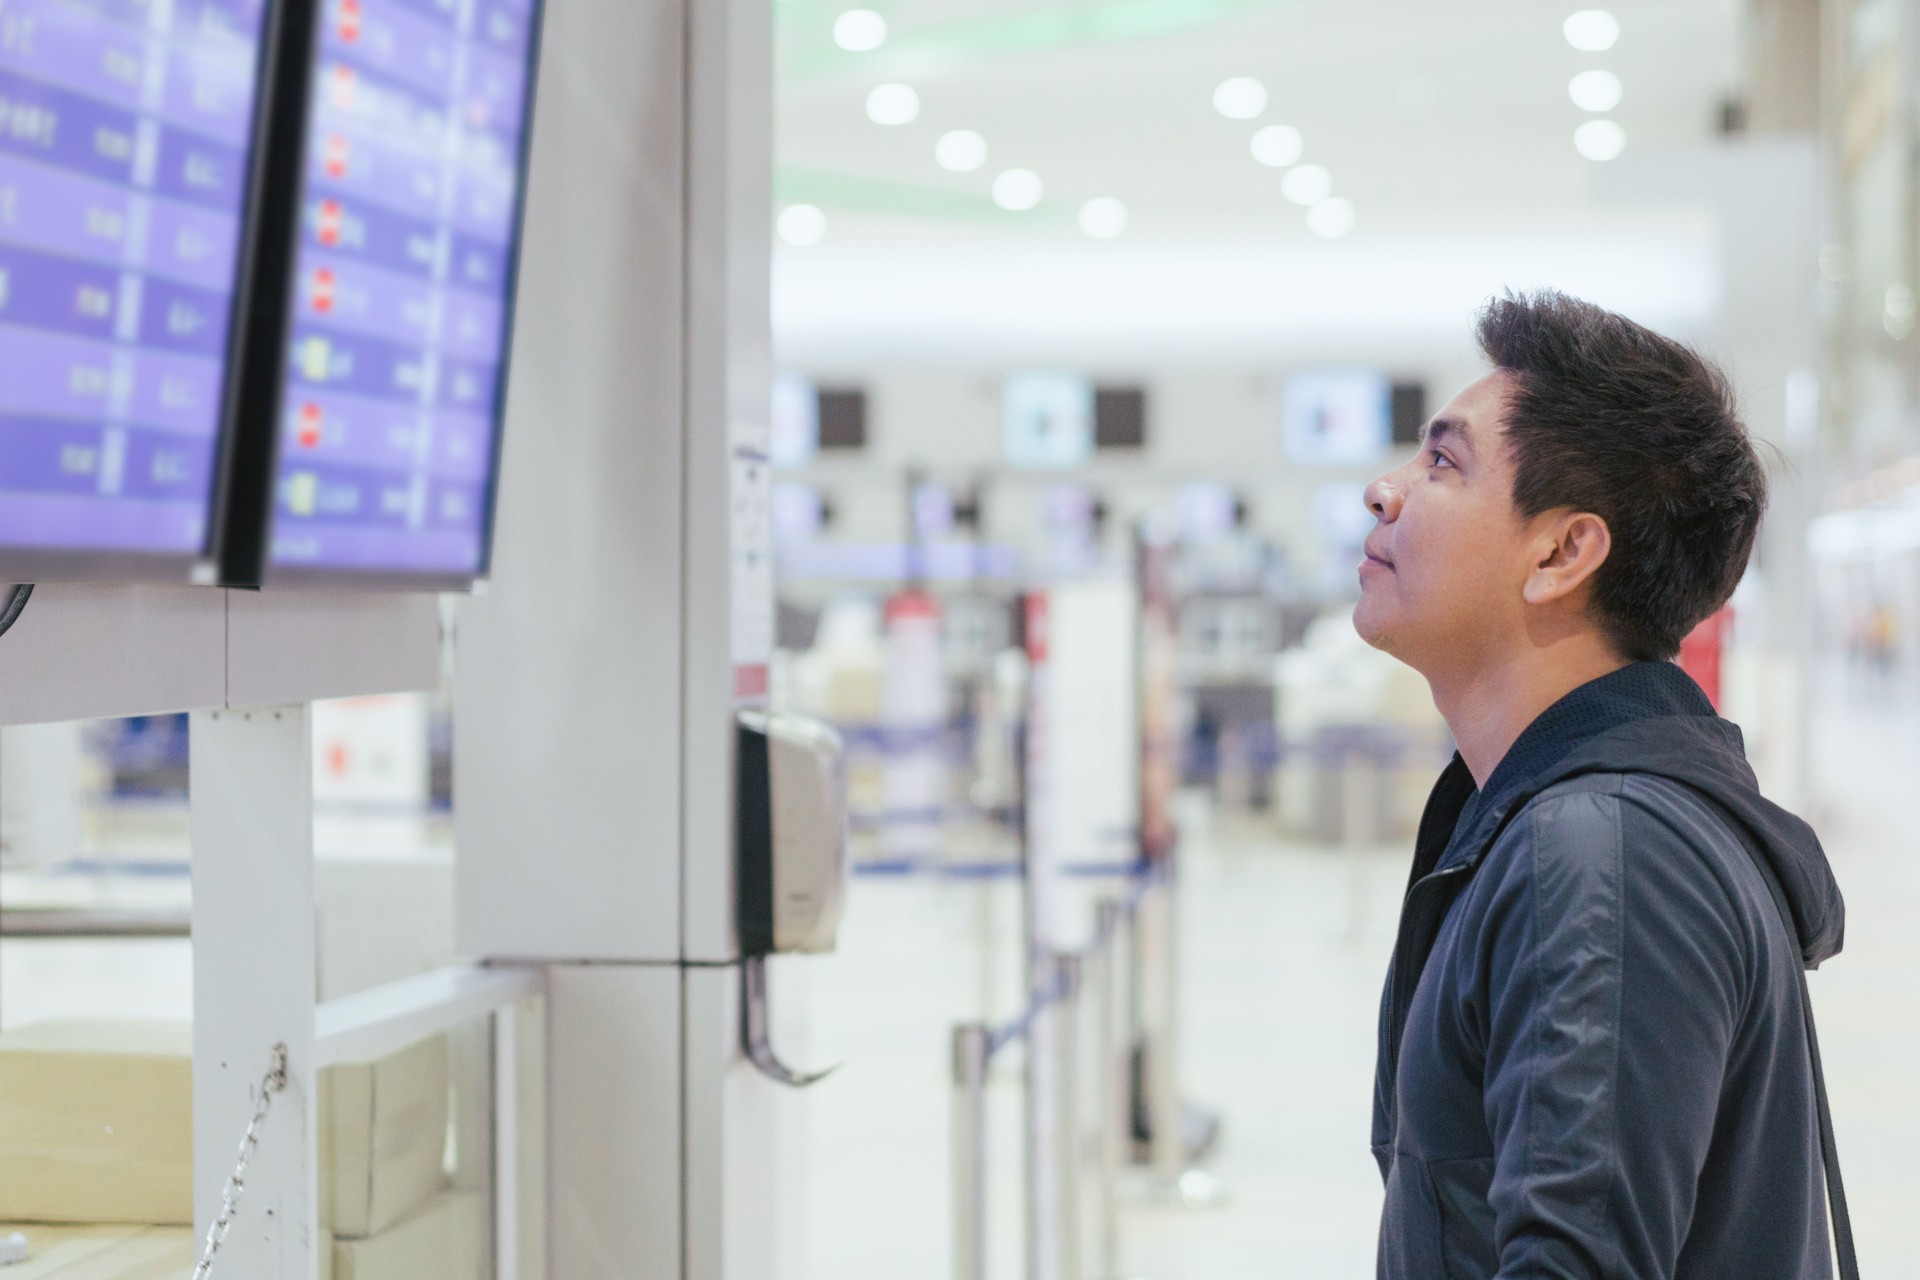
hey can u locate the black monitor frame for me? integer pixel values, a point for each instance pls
(64, 564)
(248, 531)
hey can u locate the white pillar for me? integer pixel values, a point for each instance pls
(254, 983)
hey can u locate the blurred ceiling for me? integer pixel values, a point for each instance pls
(1434, 118)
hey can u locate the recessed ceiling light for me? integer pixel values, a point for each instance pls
(1241, 98)
(893, 104)
(1592, 30)
(1017, 190)
(1306, 184)
(802, 224)
(1103, 217)
(1595, 90)
(1332, 217)
(1278, 145)
(960, 150)
(1600, 139)
(859, 30)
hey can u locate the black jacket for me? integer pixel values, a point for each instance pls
(1592, 1056)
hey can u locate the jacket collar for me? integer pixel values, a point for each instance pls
(1460, 822)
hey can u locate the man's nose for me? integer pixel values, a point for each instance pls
(1383, 499)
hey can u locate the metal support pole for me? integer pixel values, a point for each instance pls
(1110, 1092)
(1067, 1127)
(1160, 1030)
(970, 1152)
(254, 984)
(506, 1143)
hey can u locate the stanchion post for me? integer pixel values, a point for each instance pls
(1160, 1033)
(970, 1152)
(1067, 1126)
(1110, 1091)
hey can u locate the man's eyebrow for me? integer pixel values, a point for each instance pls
(1454, 429)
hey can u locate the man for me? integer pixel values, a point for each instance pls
(1594, 1045)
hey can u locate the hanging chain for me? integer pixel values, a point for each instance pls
(273, 1082)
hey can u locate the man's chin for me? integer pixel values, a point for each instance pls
(1370, 625)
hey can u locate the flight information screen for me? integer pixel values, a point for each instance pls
(125, 140)
(396, 345)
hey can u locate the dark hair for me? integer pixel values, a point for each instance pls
(1609, 417)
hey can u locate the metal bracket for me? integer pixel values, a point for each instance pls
(753, 1029)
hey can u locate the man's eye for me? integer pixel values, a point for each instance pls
(1439, 459)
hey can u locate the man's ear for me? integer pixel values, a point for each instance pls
(1572, 547)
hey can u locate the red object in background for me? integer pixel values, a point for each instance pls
(310, 419)
(350, 20)
(910, 604)
(1701, 651)
(334, 155)
(1034, 628)
(750, 680)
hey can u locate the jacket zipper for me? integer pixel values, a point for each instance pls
(1403, 985)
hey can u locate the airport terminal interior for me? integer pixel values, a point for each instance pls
(712, 639)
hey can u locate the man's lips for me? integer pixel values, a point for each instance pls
(1374, 557)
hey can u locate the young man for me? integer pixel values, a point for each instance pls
(1593, 1043)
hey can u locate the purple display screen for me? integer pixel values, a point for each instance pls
(125, 140)
(409, 213)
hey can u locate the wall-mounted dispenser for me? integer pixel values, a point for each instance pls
(791, 841)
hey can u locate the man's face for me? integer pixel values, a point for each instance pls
(1441, 585)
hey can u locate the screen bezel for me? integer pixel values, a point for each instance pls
(245, 557)
(59, 563)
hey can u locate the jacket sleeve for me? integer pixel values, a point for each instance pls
(1612, 989)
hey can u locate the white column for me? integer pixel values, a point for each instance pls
(40, 802)
(254, 984)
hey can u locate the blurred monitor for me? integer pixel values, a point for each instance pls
(795, 434)
(407, 130)
(843, 418)
(1337, 417)
(1048, 420)
(933, 512)
(1069, 509)
(1409, 412)
(1070, 515)
(797, 512)
(1205, 511)
(1119, 418)
(126, 176)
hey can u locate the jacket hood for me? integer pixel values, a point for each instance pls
(1668, 730)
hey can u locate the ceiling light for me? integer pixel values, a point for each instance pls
(1017, 190)
(1595, 90)
(1332, 218)
(960, 150)
(1103, 217)
(1600, 139)
(1241, 98)
(1306, 184)
(859, 30)
(1278, 145)
(893, 104)
(802, 224)
(1592, 30)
